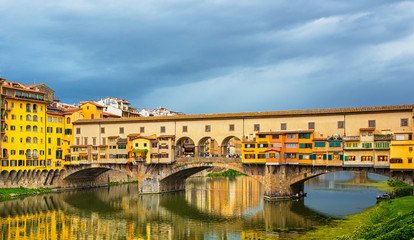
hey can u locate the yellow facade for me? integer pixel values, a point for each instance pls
(24, 126)
(91, 110)
(402, 154)
(141, 149)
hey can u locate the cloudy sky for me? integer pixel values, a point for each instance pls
(214, 56)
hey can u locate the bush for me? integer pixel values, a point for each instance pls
(400, 189)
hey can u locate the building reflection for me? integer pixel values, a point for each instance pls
(212, 209)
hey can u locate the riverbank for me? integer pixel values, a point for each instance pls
(390, 219)
(11, 193)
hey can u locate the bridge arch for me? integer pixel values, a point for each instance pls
(208, 147)
(231, 146)
(185, 146)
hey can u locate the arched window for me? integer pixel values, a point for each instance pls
(34, 118)
(34, 141)
(28, 117)
(28, 140)
(34, 128)
(28, 153)
(68, 120)
(5, 139)
(35, 108)
(6, 126)
(35, 153)
(28, 108)
(28, 128)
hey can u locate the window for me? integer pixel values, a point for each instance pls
(34, 108)
(311, 125)
(68, 120)
(304, 135)
(142, 129)
(207, 128)
(291, 145)
(103, 141)
(78, 131)
(58, 130)
(340, 124)
(60, 120)
(49, 140)
(366, 145)
(28, 128)
(256, 127)
(68, 131)
(121, 130)
(320, 144)
(35, 140)
(28, 117)
(283, 126)
(382, 158)
(162, 129)
(410, 160)
(263, 145)
(49, 130)
(185, 129)
(249, 156)
(35, 118)
(58, 141)
(404, 122)
(275, 136)
(249, 145)
(231, 127)
(334, 144)
(49, 119)
(12, 127)
(305, 145)
(366, 158)
(34, 128)
(364, 134)
(28, 108)
(85, 140)
(371, 123)
(291, 135)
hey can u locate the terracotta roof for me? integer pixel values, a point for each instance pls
(113, 137)
(25, 99)
(332, 111)
(71, 110)
(55, 113)
(93, 103)
(111, 114)
(22, 89)
(133, 135)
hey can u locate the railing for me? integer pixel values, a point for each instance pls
(207, 160)
(351, 138)
(382, 137)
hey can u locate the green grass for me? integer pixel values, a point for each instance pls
(8, 193)
(390, 219)
(382, 186)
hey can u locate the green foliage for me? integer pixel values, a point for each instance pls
(228, 173)
(392, 219)
(8, 193)
(400, 189)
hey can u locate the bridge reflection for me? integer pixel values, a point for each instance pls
(213, 209)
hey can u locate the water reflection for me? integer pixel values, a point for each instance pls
(209, 209)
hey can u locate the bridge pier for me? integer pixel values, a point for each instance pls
(278, 182)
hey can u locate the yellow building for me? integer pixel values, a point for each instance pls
(305, 147)
(24, 128)
(140, 148)
(254, 149)
(91, 110)
(402, 151)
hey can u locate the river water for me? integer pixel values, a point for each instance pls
(210, 208)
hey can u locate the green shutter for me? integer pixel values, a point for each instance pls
(346, 158)
(324, 157)
(300, 156)
(329, 157)
(301, 145)
(341, 157)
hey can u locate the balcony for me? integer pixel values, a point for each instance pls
(383, 137)
(351, 138)
(28, 156)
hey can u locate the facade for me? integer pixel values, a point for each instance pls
(26, 144)
(338, 137)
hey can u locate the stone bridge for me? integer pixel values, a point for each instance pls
(279, 181)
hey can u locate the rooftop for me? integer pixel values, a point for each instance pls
(291, 113)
